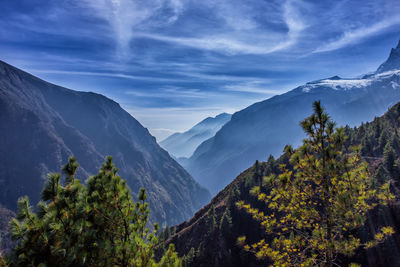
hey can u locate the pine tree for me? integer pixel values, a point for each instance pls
(211, 221)
(225, 223)
(316, 203)
(189, 258)
(2, 262)
(97, 224)
(169, 259)
(389, 158)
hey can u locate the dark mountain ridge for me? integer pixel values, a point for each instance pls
(393, 62)
(43, 124)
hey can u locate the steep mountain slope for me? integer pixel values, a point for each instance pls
(393, 62)
(265, 127)
(210, 237)
(184, 144)
(42, 124)
(5, 237)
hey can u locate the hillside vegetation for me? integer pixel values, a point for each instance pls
(91, 224)
(210, 237)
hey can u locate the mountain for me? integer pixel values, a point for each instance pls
(265, 127)
(393, 62)
(184, 144)
(42, 124)
(210, 237)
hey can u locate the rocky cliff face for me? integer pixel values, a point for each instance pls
(393, 62)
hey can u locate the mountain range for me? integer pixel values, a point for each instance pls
(42, 124)
(210, 237)
(182, 145)
(265, 127)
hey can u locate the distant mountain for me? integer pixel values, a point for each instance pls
(265, 127)
(213, 232)
(393, 62)
(184, 144)
(42, 124)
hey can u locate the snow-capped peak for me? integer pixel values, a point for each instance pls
(337, 83)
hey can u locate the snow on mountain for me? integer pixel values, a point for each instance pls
(337, 83)
(265, 127)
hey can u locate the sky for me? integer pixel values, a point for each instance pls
(172, 63)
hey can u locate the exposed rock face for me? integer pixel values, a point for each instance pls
(393, 62)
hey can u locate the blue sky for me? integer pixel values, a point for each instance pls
(171, 63)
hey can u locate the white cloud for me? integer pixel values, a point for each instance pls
(104, 74)
(220, 77)
(294, 22)
(220, 43)
(357, 35)
(257, 43)
(124, 15)
(177, 7)
(236, 14)
(172, 92)
(255, 87)
(128, 20)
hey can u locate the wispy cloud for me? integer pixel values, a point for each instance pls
(105, 74)
(255, 42)
(131, 19)
(193, 59)
(177, 7)
(294, 22)
(124, 15)
(236, 14)
(359, 34)
(219, 43)
(221, 77)
(255, 87)
(172, 92)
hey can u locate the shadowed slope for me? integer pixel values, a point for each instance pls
(42, 124)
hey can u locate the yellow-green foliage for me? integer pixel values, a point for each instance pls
(97, 224)
(316, 202)
(2, 262)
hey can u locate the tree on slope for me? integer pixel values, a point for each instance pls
(97, 224)
(2, 262)
(317, 202)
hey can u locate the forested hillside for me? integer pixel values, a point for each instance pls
(210, 237)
